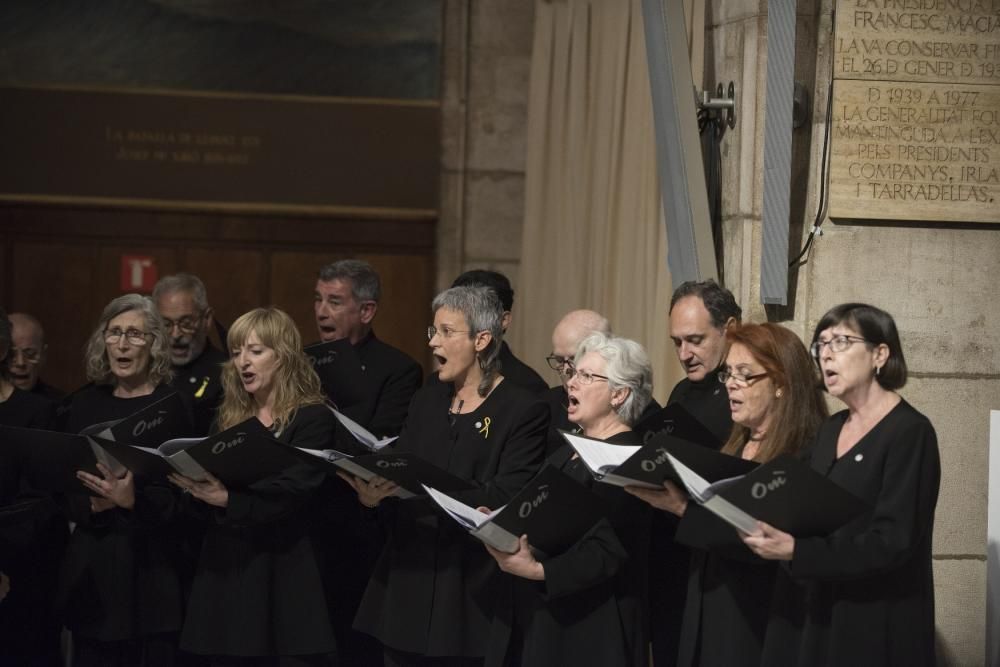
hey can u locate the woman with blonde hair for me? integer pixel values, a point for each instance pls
(257, 595)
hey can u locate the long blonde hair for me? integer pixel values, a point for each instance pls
(295, 382)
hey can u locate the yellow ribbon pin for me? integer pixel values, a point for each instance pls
(485, 430)
(201, 389)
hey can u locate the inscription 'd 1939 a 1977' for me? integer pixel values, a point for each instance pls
(916, 111)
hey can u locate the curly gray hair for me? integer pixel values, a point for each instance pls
(96, 355)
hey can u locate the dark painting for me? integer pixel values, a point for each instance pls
(344, 48)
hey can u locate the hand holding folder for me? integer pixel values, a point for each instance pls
(649, 466)
(408, 471)
(553, 510)
(785, 493)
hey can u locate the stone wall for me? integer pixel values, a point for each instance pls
(487, 57)
(934, 279)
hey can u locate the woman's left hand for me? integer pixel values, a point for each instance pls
(770, 543)
(210, 491)
(669, 499)
(521, 563)
(119, 491)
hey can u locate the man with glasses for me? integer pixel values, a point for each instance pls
(700, 312)
(182, 302)
(571, 329)
(27, 357)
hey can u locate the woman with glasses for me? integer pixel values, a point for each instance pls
(119, 585)
(257, 595)
(865, 594)
(777, 407)
(431, 597)
(588, 605)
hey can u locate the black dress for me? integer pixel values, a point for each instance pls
(708, 402)
(120, 584)
(592, 608)
(33, 535)
(434, 587)
(728, 595)
(865, 594)
(258, 589)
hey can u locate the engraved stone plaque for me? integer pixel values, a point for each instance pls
(916, 111)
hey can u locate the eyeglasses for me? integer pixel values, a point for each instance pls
(742, 380)
(134, 336)
(584, 377)
(186, 324)
(444, 331)
(30, 355)
(837, 344)
(559, 364)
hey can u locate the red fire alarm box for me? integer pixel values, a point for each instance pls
(138, 273)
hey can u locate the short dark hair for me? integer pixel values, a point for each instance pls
(877, 327)
(719, 302)
(365, 283)
(495, 280)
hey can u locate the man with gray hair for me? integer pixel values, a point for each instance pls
(182, 302)
(27, 357)
(345, 303)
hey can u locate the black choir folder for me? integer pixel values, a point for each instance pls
(678, 422)
(50, 459)
(785, 492)
(408, 471)
(650, 465)
(553, 510)
(238, 456)
(339, 369)
(166, 419)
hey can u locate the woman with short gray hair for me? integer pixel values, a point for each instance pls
(627, 367)
(479, 427)
(587, 605)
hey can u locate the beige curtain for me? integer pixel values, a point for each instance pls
(593, 231)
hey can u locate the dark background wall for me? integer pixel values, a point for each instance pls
(330, 174)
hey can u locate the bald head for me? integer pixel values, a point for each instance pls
(573, 328)
(27, 352)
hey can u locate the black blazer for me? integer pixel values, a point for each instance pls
(865, 594)
(592, 608)
(434, 587)
(389, 380)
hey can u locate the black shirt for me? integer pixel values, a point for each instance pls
(199, 380)
(519, 373)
